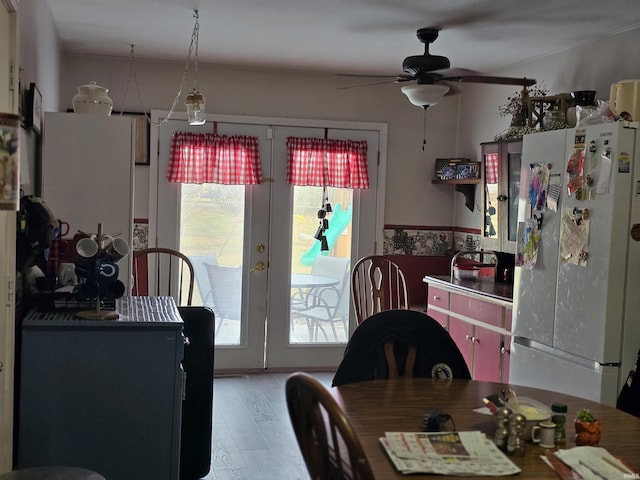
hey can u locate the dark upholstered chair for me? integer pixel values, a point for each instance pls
(400, 343)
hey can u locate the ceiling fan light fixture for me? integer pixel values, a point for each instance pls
(425, 94)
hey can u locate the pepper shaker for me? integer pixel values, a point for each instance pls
(515, 443)
(502, 432)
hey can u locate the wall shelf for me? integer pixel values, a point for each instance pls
(465, 186)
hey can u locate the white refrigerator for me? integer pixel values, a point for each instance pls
(577, 311)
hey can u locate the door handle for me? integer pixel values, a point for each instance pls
(260, 266)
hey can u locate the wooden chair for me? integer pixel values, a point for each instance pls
(400, 343)
(330, 448)
(377, 284)
(163, 272)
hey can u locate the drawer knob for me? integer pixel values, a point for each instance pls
(436, 297)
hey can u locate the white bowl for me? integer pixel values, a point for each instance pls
(534, 411)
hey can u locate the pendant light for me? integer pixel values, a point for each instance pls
(194, 101)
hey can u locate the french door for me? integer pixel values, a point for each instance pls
(247, 241)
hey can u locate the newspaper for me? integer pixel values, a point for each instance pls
(446, 453)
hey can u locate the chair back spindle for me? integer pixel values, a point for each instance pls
(161, 271)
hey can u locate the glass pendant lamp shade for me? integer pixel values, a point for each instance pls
(423, 95)
(195, 108)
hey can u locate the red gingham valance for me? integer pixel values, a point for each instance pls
(323, 162)
(209, 158)
(491, 168)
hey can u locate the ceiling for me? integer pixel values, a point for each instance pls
(338, 36)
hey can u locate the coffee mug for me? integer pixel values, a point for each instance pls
(87, 247)
(107, 271)
(63, 228)
(117, 249)
(544, 434)
(67, 274)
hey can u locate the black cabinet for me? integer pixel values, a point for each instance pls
(103, 394)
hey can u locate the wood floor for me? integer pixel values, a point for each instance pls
(252, 434)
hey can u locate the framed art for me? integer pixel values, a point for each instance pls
(141, 136)
(140, 234)
(33, 109)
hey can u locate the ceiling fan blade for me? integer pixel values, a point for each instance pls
(392, 79)
(455, 72)
(401, 77)
(395, 80)
(525, 82)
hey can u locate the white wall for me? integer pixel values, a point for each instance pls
(39, 50)
(411, 199)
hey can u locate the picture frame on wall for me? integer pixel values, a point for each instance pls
(33, 111)
(141, 128)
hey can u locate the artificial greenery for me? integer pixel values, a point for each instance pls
(516, 102)
(585, 415)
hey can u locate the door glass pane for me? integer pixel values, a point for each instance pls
(211, 235)
(515, 159)
(491, 192)
(320, 287)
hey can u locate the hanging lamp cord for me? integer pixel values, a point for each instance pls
(193, 49)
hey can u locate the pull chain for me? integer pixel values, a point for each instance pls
(424, 127)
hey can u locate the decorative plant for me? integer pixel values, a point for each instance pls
(516, 107)
(587, 428)
(516, 102)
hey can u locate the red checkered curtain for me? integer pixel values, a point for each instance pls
(210, 158)
(491, 168)
(322, 162)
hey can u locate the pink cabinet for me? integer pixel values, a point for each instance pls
(438, 305)
(462, 333)
(480, 326)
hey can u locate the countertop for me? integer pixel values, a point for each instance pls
(483, 286)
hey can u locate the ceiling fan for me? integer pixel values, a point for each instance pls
(428, 71)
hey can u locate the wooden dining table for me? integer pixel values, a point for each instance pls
(379, 406)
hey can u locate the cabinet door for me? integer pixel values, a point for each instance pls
(501, 188)
(462, 333)
(505, 349)
(441, 318)
(487, 358)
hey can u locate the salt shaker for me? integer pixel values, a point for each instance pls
(502, 432)
(515, 443)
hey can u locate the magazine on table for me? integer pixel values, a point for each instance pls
(446, 453)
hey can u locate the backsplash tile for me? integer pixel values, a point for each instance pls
(427, 241)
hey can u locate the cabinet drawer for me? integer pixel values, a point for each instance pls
(438, 297)
(480, 310)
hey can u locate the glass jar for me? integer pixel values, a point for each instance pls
(553, 119)
(559, 417)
